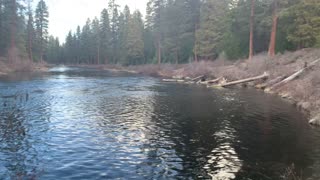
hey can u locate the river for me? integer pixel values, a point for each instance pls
(73, 123)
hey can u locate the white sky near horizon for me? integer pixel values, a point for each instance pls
(66, 15)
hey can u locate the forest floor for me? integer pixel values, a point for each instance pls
(303, 91)
(20, 66)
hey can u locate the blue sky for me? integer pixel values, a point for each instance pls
(66, 15)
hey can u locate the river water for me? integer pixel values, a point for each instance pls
(76, 123)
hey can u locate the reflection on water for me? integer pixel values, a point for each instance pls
(76, 123)
(224, 162)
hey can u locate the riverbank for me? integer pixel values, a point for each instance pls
(21, 66)
(302, 91)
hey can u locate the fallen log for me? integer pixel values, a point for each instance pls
(263, 76)
(169, 80)
(214, 81)
(198, 78)
(295, 75)
(270, 83)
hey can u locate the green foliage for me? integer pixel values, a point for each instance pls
(135, 43)
(173, 31)
(12, 26)
(42, 25)
(105, 36)
(303, 23)
(212, 26)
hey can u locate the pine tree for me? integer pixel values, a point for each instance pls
(135, 43)
(30, 32)
(53, 52)
(194, 10)
(155, 19)
(42, 22)
(105, 35)
(2, 32)
(303, 24)
(114, 26)
(211, 29)
(124, 18)
(96, 39)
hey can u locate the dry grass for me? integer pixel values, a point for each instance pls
(305, 90)
(20, 65)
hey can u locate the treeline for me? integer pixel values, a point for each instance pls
(23, 32)
(172, 31)
(180, 31)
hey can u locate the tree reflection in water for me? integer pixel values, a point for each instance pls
(17, 163)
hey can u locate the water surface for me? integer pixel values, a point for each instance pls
(76, 123)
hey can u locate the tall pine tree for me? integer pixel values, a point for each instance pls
(42, 23)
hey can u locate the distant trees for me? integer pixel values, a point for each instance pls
(211, 29)
(172, 31)
(134, 41)
(302, 21)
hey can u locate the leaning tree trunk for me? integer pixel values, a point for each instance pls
(272, 45)
(251, 29)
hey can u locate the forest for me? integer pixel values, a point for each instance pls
(171, 31)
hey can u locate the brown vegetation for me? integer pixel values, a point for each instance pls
(20, 65)
(304, 91)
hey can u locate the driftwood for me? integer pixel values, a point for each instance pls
(270, 83)
(214, 81)
(198, 78)
(170, 80)
(263, 76)
(295, 75)
(173, 80)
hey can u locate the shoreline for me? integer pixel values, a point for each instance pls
(7, 68)
(302, 91)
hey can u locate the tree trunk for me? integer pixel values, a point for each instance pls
(159, 51)
(251, 29)
(41, 46)
(30, 47)
(177, 56)
(272, 45)
(195, 49)
(98, 55)
(195, 55)
(13, 28)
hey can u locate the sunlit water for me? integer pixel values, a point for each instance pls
(83, 124)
